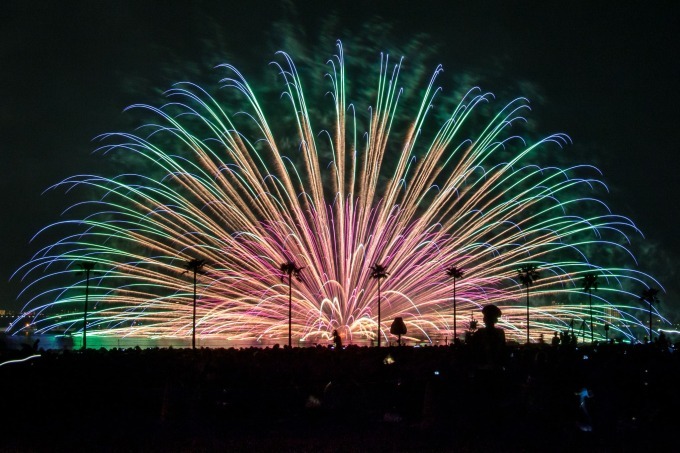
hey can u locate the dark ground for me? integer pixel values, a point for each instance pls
(356, 399)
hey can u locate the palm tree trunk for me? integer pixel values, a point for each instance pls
(650, 321)
(379, 320)
(290, 311)
(87, 296)
(527, 314)
(590, 297)
(193, 324)
(455, 333)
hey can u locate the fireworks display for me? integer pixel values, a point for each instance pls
(334, 194)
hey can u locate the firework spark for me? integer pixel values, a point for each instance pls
(244, 192)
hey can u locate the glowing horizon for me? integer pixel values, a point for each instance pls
(215, 184)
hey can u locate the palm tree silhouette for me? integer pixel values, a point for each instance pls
(378, 272)
(590, 284)
(527, 274)
(649, 296)
(86, 266)
(455, 273)
(290, 269)
(196, 266)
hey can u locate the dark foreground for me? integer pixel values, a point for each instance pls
(357, 399)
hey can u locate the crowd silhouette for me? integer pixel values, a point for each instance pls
(477, 396)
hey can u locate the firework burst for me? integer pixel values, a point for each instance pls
(246, 194)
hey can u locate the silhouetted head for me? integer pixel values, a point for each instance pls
(491, 314)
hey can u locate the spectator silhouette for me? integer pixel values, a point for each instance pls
(489, 342)
(555, 340)
(337, 341)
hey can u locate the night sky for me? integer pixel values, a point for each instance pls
(606, 73)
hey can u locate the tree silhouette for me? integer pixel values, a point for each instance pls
(649, 295)
(290, 269)
(378, 272)
(527, 274)
(590, 284)
(455, 273)
(398, 328)
(86, 266)
(194, 265)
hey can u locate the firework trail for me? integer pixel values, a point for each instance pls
(246, 193)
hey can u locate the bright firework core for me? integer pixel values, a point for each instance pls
(290, 221)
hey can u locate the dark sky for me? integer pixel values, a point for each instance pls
(606, 72)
